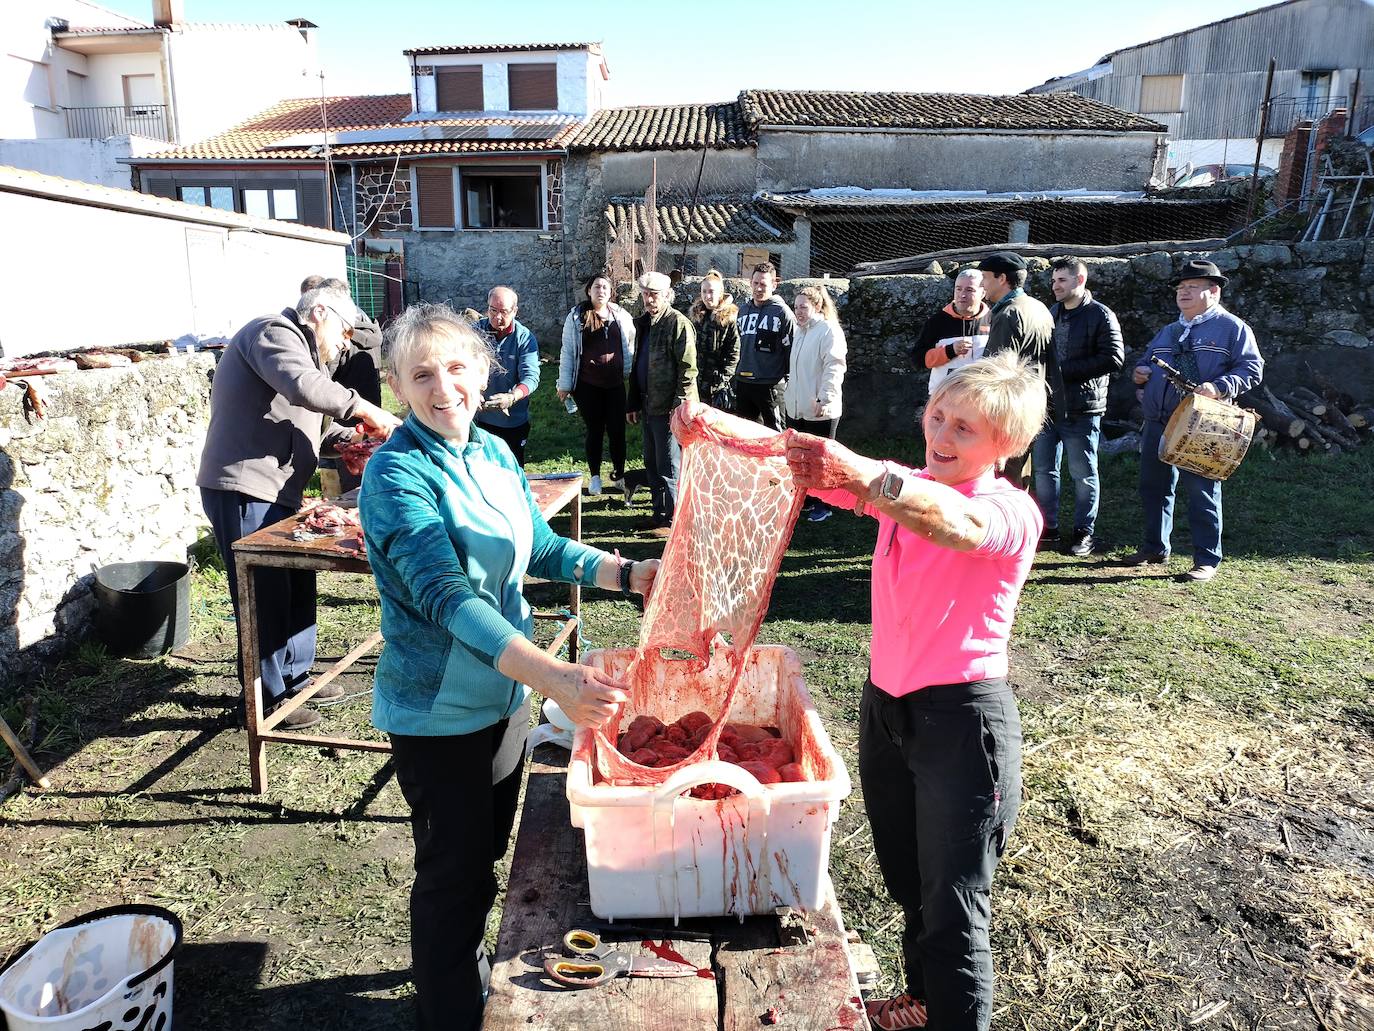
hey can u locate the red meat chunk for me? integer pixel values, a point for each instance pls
(694, 721)
(791, 773)
(745, 732)
(643, 729)
(671, 752)
(676, 734)
(763, 773)
(643, 756)
(727, 754)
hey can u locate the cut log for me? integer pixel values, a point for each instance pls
(1327, 434)
(1304, 443)
(1272, 412)
(1333, 416)
(1361, 418)
(1307, 397)
(1333, 394)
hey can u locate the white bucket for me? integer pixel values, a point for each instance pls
(111, 968)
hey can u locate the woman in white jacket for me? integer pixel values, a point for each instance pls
(597, 355)
(815, 378)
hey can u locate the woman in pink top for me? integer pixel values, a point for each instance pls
(939, 734)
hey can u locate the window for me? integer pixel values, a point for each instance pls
(502, 198)
(458, 87)
(1161, 94)
(752, 256)
(76, 89)
(533, 87)
(434, 197)
(221, 197)
(140, 93)
(276, 203)
(1315, 95)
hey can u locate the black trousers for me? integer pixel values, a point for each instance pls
(821, 428)
(941, 776)
(462, 825)
(603, 410)
(760, 402)
(515, 436)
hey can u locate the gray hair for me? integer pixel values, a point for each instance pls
(969, 273)
(514, 297)
(1008, 391)
(423, 328)
(330, 297)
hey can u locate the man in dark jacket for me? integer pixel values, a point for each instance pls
(267, 405)
(766, 330)
(1019, 323)
(1087, 350)
(664, 375)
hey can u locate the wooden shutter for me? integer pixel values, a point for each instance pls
(1161, 94)
(434, 189)
(533, 87)
(459, 87)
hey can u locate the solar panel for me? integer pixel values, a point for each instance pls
(415, 133)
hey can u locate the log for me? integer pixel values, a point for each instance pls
(916, 262)
(1272, 412)
(1327, 434)
(1334, 394)
(1304, 443)
(1361, 418)
(1333, 416)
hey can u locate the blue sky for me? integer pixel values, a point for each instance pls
(660, 54)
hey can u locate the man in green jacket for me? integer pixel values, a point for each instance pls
(664, 375)
(1019, 323)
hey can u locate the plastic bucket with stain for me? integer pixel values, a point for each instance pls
(143, 609)
(110, 969)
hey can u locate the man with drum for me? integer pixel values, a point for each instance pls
(1213, 348)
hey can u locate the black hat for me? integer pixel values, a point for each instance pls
(1002, 262)
(1199, 269)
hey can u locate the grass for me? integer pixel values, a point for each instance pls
(1194, 847)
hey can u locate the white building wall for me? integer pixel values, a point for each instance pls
(90, 161)
(222, 74)
(105, 76)
(495, 85)
(578, 73)
(147, 274)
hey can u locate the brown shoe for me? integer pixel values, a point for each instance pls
(1200, 574)
(1141, 558)
(300, 719)
(331, 692)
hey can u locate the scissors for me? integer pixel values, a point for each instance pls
(596, 962)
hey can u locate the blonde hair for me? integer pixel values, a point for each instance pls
(820, 300)
(423, 329)
(1007, 390)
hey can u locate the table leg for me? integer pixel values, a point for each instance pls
(575, 591)
(252, 672)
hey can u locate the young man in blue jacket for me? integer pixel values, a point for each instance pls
(1216, 350)
(506, 402)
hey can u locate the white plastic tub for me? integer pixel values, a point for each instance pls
(658, 852)
(110, 969)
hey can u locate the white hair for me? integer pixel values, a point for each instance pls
(969, 273)
(330, 297)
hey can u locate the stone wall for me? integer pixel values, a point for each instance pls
(108, 476)
(1309, 303)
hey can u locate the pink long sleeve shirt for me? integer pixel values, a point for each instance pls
(942, 616)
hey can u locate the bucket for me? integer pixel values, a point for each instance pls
(1207, 436)
(110, 969)
(143, 609)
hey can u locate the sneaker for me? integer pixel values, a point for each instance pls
(1201, 574)
(1143, 557)
(594, 488)
(300, 719)
(1082, 544)
(1049, 539)
(899, 1013)
(818, 514)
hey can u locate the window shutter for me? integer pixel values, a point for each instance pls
(312, 203)
(459, 87)
(158, 185)
(1161, 94)
(434, 186)
(533, 87)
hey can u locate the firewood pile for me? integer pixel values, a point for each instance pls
(1325, 421)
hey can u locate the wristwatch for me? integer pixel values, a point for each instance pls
(890, 486)
(626, 568)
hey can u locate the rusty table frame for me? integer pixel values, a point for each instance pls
(273, 547)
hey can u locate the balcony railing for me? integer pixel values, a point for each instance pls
(1285, 112)
(98, 122)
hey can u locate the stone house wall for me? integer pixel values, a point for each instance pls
(108, 476)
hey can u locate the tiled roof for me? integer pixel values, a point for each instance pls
(507, 48)
(665, 127)
(1064, 111)
(250, 140)
(714, 220)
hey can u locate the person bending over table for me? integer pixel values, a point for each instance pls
(452, 528)
(939, 734)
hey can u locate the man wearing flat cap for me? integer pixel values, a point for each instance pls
(1216, 350)
(664, 375)
(1019, 323)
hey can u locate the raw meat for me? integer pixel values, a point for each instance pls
(356, 453)
(654, 745)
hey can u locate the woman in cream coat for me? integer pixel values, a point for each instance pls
(815, 378)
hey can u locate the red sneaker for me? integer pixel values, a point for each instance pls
(899, 1013)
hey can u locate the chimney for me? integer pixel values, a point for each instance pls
(167, 13)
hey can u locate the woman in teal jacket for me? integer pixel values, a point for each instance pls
(452, 528)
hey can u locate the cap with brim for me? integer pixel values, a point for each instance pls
(655, 281)
(1199, 269)
(1002, 262)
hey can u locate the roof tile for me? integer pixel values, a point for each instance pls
(714, 220)
(665, 127)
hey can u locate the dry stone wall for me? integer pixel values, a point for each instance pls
(1309, 303)
(108, 476)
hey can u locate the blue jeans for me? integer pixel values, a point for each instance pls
(662, 457)
(1076, 439)
(1157, 482)
(286, 597)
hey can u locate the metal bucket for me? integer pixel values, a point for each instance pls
(143, 609)
(108, 969)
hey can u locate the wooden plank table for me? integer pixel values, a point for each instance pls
(746, 968)
(273, 546)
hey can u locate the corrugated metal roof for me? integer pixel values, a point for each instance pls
(713, 220)
(1205, 25)
(665, 127)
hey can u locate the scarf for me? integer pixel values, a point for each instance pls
(1184, 358)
